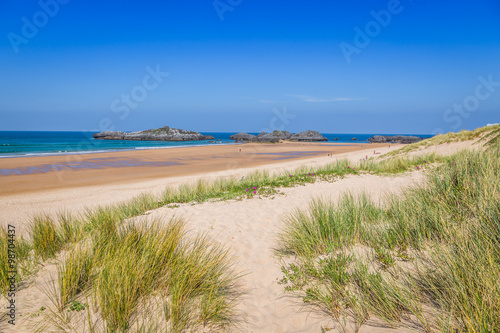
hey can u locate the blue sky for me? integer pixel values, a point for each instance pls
(409, 66)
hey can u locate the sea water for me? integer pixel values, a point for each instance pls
(37, 143)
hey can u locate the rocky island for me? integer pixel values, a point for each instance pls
(395, 139)
(276, 136)
(160, 134)
(308, 136)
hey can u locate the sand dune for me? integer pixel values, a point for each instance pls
(250, 228)
(247, 227)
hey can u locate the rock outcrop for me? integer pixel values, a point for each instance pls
(308, 136)
(394, 139)
(275, 136)
(283, 135)
(160, 134)
(243, 137)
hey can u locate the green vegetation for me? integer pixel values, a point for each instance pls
(432, 254)
(490, 134)
(4, 261)
(412, 230)
(493, 138)
(119, 270)
(46, 240)
(23, 267)
(48, 236)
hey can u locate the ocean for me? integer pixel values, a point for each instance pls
(37, 143)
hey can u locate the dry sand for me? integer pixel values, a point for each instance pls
(249, 228)
(449, 148)
(22, 196)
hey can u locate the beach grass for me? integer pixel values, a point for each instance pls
(432, 253)
(393, 233)
(48, 235)
(74, 274)
(488, 134)
(190, 279)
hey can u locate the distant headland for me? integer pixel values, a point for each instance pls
(167, 133)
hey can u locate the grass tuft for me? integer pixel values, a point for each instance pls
(436, 247)
(146, 275)
(45, 236)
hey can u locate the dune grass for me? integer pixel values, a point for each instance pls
(48, 235)
(432, 254)
(20, 254)
(492, 138)
(191, 281)
(489, 134)
(45, 236)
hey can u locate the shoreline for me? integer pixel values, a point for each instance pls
(22, 196)
(34, 173)
(103, 151)
(85, 152)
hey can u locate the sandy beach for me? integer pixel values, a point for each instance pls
(33, 174)
(245, 166)
(248, 227)
(73, 182)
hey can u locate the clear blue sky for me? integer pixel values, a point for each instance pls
(230, 63)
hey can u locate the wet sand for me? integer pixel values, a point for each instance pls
(37, 174)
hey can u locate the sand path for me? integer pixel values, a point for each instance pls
(250, 228)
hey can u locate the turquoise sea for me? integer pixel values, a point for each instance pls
(34, 143)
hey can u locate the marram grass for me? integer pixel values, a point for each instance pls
(489, 135)
(190, 281)
(47, 236)
(434, 252)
